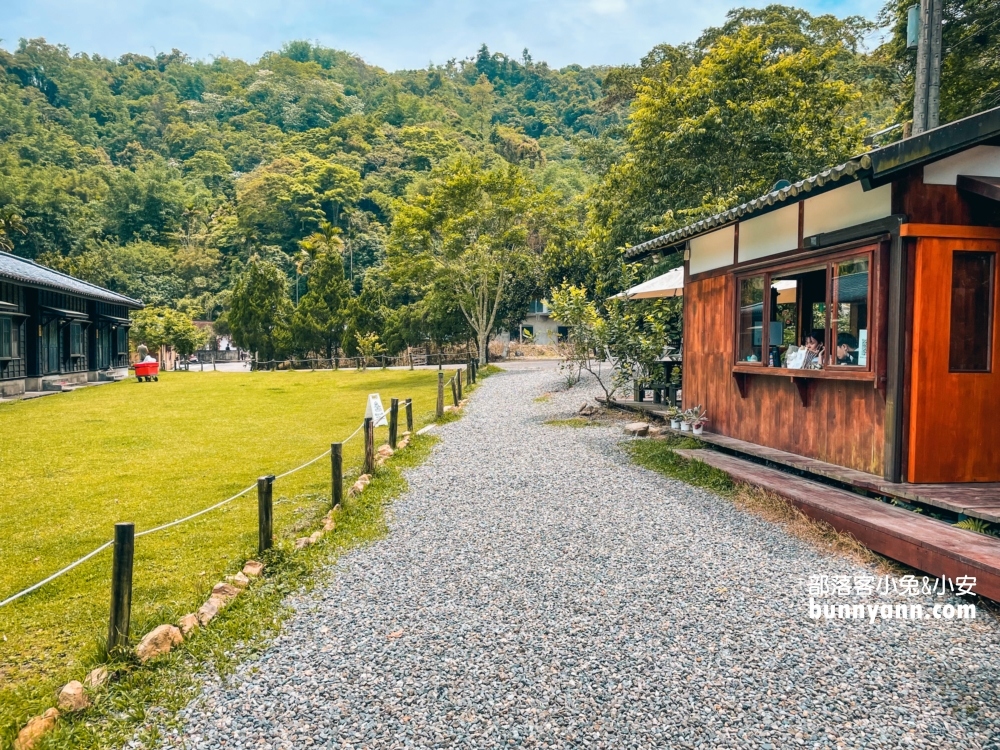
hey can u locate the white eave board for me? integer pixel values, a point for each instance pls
(844, 207)
(712, 250)
(978, 161)
(769, 234)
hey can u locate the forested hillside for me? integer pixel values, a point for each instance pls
(482, 182)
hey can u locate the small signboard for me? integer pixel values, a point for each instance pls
(376, 411)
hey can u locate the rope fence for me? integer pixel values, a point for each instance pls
(171, 524)
(337, 363)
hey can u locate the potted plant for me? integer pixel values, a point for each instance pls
(686, 421)
(674, 415)
(697, 418)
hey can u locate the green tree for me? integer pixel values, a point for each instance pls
(260, 310)
(774, 94)
(157, 327)
(319, 319)
(476, 232)
(10, 224)
(970, 64)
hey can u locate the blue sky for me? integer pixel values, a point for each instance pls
(391, 33)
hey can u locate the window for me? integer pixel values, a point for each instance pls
(817, 315)
(75, 340)
(971, 311)
(527, 333)
(797, 318)
(562, 333)
(850, 313)
(751, 318)
(537, 307)
(8, 338)
(122, 340)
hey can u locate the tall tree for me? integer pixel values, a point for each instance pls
(319, 319)
(476, 231)
(970, 64)
(260, 310)
(772, 97)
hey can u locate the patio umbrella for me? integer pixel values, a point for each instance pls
(670, 284)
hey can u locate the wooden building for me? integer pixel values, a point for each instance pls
(852, 318)
(55, 328)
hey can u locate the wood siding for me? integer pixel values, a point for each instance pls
(843, 423)
(941, 204)
(954, 417)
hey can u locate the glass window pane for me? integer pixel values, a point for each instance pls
(751, 318)
(850, 312)
(798, 319)
(6, 337)
(971, 311)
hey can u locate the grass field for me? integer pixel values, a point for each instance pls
(73, 465)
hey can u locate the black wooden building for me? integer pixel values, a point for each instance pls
(55, 328)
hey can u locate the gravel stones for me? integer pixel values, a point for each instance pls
(538, 590)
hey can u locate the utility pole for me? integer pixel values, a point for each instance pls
(927, 80)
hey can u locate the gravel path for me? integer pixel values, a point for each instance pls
(537, 590)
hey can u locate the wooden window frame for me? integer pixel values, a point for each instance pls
(75, 326)
(991, 312)
(830, 371)
(7, 342)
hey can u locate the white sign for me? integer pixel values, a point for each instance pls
(376, 411)
(863, 347)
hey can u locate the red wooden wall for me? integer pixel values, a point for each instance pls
(843, 423)
(954, 422)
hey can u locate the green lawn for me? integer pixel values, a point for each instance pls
(72, 465)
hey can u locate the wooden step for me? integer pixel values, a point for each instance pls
(929, 545)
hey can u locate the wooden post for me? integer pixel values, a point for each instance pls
(336, 474)
(369, 467)
(121, 586)
(458, 379)
(454, 389)
(440, 402)
(265, 513)
(409, 415)
(439, 360)
(393, 422)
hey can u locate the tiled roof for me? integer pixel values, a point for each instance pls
(28, 272)
(843, 173)
(878, 166)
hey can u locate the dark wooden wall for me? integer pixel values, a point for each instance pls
(941, 204)
(954, 417)
(843, 423)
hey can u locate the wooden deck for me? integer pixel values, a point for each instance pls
(932, 546)
(976, 500)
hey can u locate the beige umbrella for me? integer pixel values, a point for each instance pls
(670, 284)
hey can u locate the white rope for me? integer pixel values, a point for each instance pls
(199, 513)
(307, 463)
(104, 546)
(52, 577)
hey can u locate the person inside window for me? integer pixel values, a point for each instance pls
(847, 349)
(814, 350)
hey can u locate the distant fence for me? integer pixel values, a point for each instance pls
(355, 363)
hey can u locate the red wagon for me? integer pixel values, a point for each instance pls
(147, 370)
